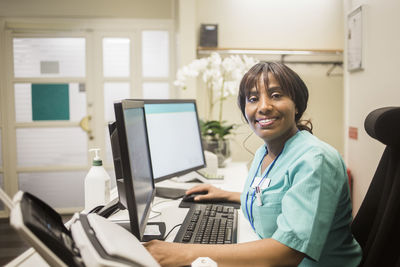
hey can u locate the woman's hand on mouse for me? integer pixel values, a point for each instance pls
(213, 193)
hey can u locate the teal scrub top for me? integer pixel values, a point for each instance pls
(307, 204)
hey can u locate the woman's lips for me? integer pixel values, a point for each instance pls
(266, 122)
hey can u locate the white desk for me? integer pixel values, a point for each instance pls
(235, 174)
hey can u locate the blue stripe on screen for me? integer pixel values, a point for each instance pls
(169, 108)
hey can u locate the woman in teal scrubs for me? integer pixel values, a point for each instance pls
(296, 196)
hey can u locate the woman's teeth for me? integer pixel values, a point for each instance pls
(266, 122)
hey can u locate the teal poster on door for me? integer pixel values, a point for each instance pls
(50, 102)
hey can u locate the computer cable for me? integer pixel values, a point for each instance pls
(158, 213)
(171, 231)
(162, 201)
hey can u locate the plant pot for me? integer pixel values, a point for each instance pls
(221, 148)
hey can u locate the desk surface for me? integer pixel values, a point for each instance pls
(234, 177)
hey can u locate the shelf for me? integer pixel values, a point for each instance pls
(256, 51)
(292, 56)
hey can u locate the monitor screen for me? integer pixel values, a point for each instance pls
(174, 137)
(135, 163)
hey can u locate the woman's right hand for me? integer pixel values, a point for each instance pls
(213, 193)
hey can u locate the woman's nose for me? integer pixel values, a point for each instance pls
(264, 104)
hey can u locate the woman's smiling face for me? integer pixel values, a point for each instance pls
(270, 112)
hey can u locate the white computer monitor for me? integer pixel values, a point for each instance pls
(174, 137)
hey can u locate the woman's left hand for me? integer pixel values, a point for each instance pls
(169, 254)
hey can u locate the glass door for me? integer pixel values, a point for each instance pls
(50, 85)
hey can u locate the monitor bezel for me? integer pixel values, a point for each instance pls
(170, 101)
(137, 226)
(119, 176)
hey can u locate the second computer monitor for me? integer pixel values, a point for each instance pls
(174, 137)
(132, 162)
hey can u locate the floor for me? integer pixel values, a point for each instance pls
(11, 245)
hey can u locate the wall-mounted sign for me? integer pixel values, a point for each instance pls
(354, 40)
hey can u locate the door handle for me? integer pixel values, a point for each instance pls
(84, 124)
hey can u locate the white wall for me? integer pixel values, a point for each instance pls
(378, 85)
(186, 40)
(141, 9)
(283, 24)
(298, 24)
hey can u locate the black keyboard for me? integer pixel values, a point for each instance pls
(209, 224)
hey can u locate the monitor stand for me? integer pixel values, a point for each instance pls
(154, 230)
(198, 176)
(172, 192)
(191, 177)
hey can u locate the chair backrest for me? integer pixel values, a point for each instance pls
(377, 224)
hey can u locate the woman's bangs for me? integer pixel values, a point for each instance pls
(255, 81)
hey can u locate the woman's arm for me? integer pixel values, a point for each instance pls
(265, 252)
(214, 193)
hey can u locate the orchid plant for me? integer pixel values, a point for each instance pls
(221, 77)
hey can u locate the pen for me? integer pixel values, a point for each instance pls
(258, 196)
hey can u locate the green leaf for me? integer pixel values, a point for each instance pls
(215, 130)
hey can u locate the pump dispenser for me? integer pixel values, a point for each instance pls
(97, 183)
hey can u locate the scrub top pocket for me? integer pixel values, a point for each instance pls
(265, 215)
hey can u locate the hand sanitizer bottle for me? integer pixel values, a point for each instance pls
(97, 184)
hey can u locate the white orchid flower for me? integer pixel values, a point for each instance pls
(221, 76)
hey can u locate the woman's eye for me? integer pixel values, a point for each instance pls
(276, 95)
(252, 99)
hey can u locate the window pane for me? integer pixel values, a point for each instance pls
(58, 189)
(49, 57)
(112, 92)
(23, 101)
(116, 57)
(158, 90)
(155, 53)
(64, 146)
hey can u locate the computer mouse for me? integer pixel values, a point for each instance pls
(190, 197)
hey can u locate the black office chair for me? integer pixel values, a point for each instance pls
(377, 224)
